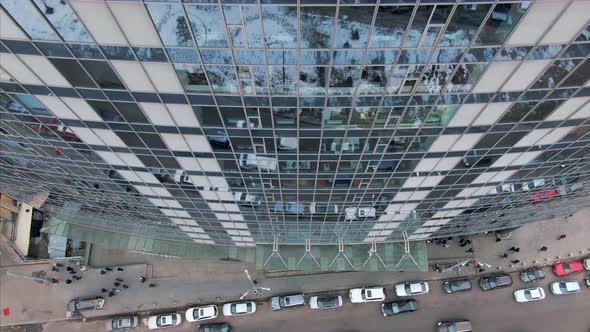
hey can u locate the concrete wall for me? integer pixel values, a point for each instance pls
(23, 228)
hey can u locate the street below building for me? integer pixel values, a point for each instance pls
(489, 311)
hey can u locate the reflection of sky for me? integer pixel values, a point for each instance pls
(64, 20)
(25, 13)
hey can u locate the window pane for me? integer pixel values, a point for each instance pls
(503, 19)
(280, 26)
(223, 79)
(171, 24)
(465, 76)
(316, 27)
(353, 27)
(192, 77)
(63, 19)
(29, 18)
(343, 80)
(464, 24)
(418, 25)
(73, 72)
(106, 111)
(131, 112)
(207, 24)
(102, 74)
(390, 26)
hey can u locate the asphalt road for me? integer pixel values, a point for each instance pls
(491, 311)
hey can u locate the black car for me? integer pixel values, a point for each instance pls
(495, 281)
(532, 275)
(398, 307)
(454, 286)
(215, 327)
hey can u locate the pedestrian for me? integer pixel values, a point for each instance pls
(72, 272)
(69, 268)
(68, 281)
(152, 285)
(125, 286)
(103, 290)
(118, 279)
(543, 248)
(111, 294)
(446, 245)
(116, 284)
(505, 255)
(103, 272)
(444, 242)
(77, 278)
(562, 236)
(108, 269)
(512, 249)
(516, 261)
(470, 250)
(142, 279)
(481, 270)
(498, 239)
(450, 238)
(59, 265)
(117, 290)
(54, 269)
(120, 269)
(517, 249)
(468, 242)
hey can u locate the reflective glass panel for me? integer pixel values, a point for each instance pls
(63, 19)
(354, 24)
(280, 26)
(29, 18)
(464, 24)
(171, 24)
(192, 77)
(316, 27)
(502, 21)
(207, 24)
(390, 26)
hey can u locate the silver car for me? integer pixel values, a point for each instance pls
(121, 323)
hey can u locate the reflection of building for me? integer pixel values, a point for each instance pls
(191, 122)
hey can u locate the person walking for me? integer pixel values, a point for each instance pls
(68, 281)
(562, 236)
(512, 249)
(543, 248)
(117, 284)
(120, 269)
(152, 285)
(517, 249)
(505, 255)
(516, 261)
(142, 279)
(103, 290)
(470, 250)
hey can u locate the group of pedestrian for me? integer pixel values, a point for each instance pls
(513, 250)
(119, 284)
(71, 272)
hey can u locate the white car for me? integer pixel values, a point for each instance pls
(565, 287)
(163, 321)
(198, 314)
(529, 294)
(325, 302)
(362, 295)
(412, 288)
(239, 308)
(367, 212)
(587, 264)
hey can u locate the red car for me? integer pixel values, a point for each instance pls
(542, 196)
(563, 269)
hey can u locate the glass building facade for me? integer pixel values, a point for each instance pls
(237, 122)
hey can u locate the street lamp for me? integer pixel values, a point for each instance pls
(253, 288)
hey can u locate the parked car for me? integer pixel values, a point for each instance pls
(323, 208)
(164, 321)
(544, 195)
(85, 303)
(287, 301)
(239, 308)
(532, 275)
(454, 286)
(289, 207)
(245, 198)
(412, 288)
(325, 302)
(198, 314)
(362, 295)
(495, 281)
(454, 326)
(587, 264)
(214, 327)
(121, 323)
(563, 269)
(398, 307)
(529, 294)
(565, 287)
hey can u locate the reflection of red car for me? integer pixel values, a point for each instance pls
(539, 197)
(563, 269)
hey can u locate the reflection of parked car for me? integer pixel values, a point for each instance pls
(454, 286)
(249, 161)
(454, 326)
(563, 269)
(533, 184)
(398, 307)
(565, 287)
(325, 302)
(214, 327)
(245, 198)
(290, 207)
(287, 301)
(412, 288)
(532, 275)
(322, 208)
(85, 304)
(121, 323)
(529, 294)
(543, 196)
(164, 321)
(495, 281)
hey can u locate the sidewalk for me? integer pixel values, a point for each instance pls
(181, 282)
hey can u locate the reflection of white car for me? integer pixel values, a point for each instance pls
(362, 295)
(413, 288)
(364, 212)
(565, 287)
(163, 321)
(198, 314)
(351, 213)
(239, 308)
(241, 197)
(529, 294)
